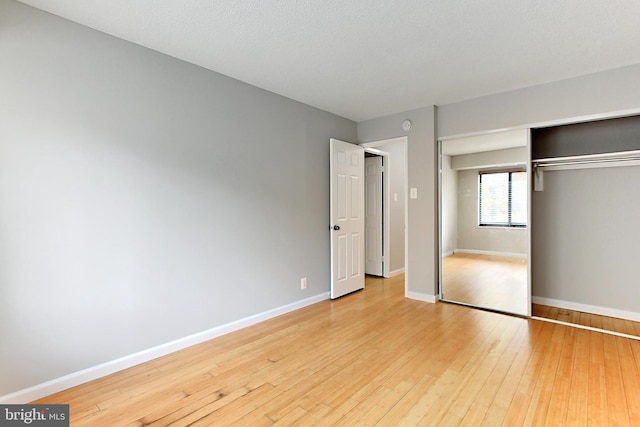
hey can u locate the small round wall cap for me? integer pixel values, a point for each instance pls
(406, 125)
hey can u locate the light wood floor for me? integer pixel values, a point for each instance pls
(376, 358)
(487, 281)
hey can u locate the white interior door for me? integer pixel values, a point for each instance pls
(347, 218)
(373, 215)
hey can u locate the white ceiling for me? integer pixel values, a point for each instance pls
(363, 59)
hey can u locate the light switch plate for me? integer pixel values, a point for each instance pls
(413, 193)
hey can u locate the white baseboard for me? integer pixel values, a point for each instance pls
(480, 252)
(421, 297)
(586, 308)
(103, 369)
(446, 254)
(396, 272)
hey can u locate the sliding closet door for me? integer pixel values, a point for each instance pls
(484, 232)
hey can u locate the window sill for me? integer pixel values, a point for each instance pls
(509, 227)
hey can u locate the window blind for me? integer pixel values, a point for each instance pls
(502, 200)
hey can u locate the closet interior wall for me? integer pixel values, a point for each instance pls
(585, 234)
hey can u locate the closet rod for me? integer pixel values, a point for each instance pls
(583, 162)
(604, 159)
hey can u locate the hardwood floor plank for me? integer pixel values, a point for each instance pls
(447, 392)
(540, 402)
(578, 404)
(597, 390)
(291, 417)
(521, 401)
(315, 416)
(374, 406)
(498, 392)
(484, 368)
(236, 406)
(559, 397)
(617, 409)
(396, 414)
(630, 379)
(475, 416)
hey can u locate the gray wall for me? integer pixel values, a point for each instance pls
(421, 267)
(588, 251)
(143, 199)
(397, 170)
(475, 238)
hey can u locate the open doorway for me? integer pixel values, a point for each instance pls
(347, 200)
(376, 185)
(392, 208)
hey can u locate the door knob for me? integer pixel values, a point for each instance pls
(336, 227)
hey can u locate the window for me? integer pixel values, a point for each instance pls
(502, 200)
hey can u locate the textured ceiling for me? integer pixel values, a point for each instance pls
(362, 59)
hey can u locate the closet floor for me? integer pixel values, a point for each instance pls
(613, 324)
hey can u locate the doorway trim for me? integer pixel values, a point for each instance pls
(377, 147)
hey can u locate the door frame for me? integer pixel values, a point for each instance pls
(377, 147)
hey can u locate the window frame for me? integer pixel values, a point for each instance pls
(509, 223)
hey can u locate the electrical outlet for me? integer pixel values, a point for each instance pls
(303, 283)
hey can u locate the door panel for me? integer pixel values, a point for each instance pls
(356, 203)
(347, 218)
